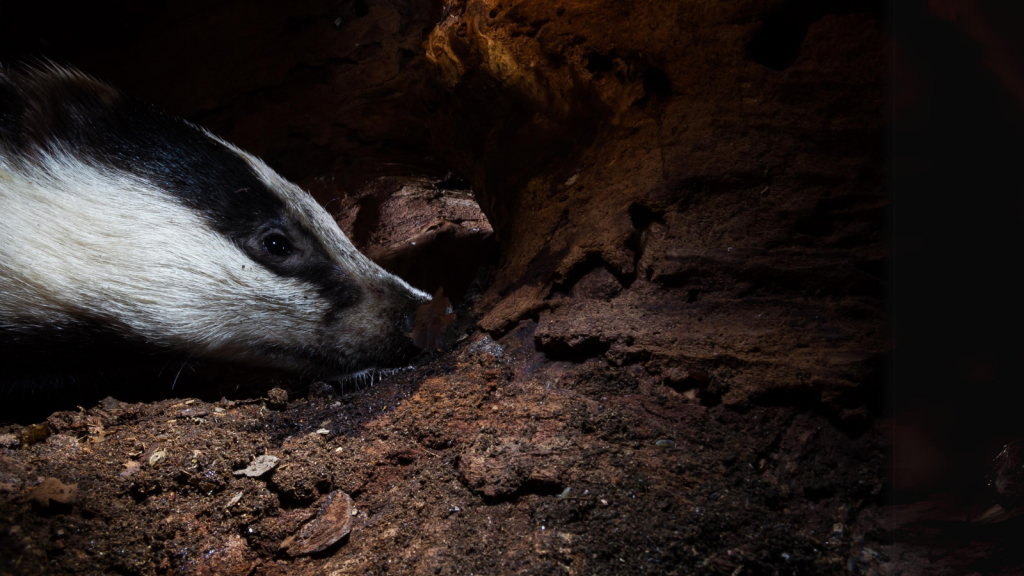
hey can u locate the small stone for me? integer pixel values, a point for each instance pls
(1006, 477)
(277, 398)
(130, 467)
(259, 466)
(234, 500)
(53, 490)
(156, 457)
(332, 523)
(35, 433)
(9, 441)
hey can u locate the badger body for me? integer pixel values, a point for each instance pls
(123, 227)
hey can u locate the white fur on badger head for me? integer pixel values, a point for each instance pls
(120, 219)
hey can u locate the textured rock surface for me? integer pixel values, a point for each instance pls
(738, 206)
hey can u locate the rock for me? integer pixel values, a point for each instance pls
(277, 398)
(130, 468)
(598, 284)
(156, 457)
(52, 490)
(9, 441)
(1006, 478)
(258, 467)
(34, 433)
(332, 523)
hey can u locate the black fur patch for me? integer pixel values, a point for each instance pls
(48, 109)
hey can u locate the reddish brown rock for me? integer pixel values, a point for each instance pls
(332, 523)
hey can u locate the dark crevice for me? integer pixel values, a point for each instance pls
(448, 258)
(599, 63)
(529, 488)
(592, 262)
(777, 43)
(577, 351)
(804, 397)
(367, 220)
(657, 87)
(709, 391)
(360, 8)
(453, 181)
(642, 217)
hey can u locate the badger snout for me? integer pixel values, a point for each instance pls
(378, 332)
(407, 323)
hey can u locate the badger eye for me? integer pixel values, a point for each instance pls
(277, 245)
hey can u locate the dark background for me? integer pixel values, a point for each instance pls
(957, 220)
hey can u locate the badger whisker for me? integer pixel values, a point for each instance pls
(183, 364)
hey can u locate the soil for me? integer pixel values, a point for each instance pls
(662, 227)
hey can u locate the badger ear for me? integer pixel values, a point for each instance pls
(58, 101)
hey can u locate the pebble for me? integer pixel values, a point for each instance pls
(34, 433)
(156, 457)
(277, 398)
(234, 500)
(258, 467)
(332, 523)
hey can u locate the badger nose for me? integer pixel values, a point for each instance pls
(426, 319)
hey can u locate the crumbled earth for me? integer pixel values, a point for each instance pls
(488, 459)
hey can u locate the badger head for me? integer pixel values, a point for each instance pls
(120, 219)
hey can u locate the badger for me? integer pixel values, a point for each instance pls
(124, 228)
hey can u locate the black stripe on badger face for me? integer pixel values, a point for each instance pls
(68, 112)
